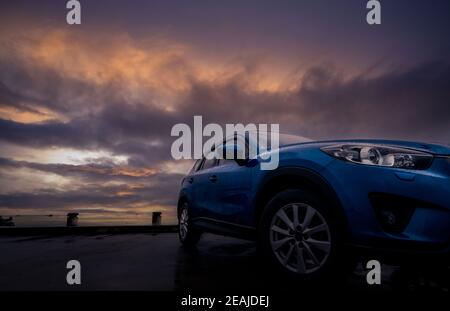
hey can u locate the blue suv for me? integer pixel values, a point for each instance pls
(325, 200)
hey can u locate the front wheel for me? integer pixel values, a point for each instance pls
(300, 236)
(187, 233)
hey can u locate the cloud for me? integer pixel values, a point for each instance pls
(94, 184)
(406, 104)
(122, 96)
(107, 188)
(103, 170)
(92, 195)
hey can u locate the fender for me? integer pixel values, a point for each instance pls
(296, 177)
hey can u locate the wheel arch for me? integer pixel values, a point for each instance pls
(298, 178)
(181, 199)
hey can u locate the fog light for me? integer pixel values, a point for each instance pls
(393, 212)
(389, 217)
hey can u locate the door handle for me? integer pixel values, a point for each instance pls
(190, 180)
(213, 178)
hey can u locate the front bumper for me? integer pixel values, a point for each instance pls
(427, 229)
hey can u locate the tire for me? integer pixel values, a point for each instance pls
(306, 249)
(187, 233)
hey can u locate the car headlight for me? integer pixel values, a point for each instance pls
(380, 155)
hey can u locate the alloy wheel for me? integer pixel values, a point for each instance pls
(184, 218)
(300, 238)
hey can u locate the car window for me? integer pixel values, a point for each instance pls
(208, 163)
(224, 162)
(237, 141)
(196, 166)
(234, 140)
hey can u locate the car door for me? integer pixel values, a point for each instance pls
(189, 187)
(233, 186)
(204, 189)
(222, 190)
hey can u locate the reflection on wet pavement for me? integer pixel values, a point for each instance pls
(158, 263)
(222, 264)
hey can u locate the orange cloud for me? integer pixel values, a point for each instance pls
(113, 171)
(29, 116)
(156, 68)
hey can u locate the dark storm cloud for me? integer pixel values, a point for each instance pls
(103, 171)
(135, 130)
(26, 85)
(10, 98)
(411, 30)
(407, 104)
(51, 198)
(123, 78)
(156, 190)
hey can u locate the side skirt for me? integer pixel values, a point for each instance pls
(225, 228)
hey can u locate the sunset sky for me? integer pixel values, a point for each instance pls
(86, 110)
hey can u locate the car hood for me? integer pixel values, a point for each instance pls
(436, 149)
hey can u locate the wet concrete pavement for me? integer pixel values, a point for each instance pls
(156, 262)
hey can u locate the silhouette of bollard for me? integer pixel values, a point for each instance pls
(156, 218)
(72, 219)
(7, 222)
